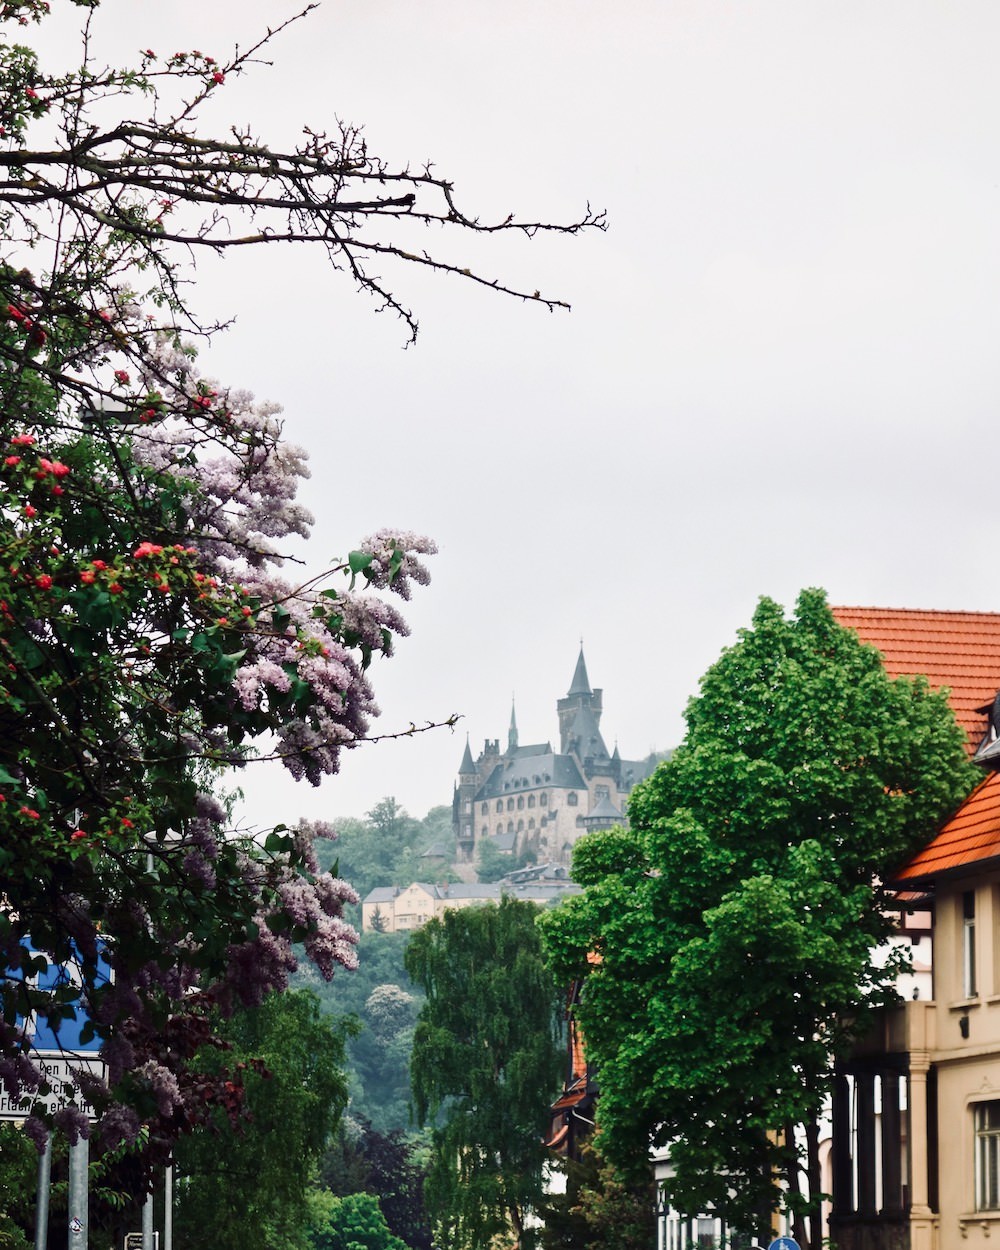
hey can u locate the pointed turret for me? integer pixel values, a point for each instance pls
(467, 768)
(512, 732)
(581, 682)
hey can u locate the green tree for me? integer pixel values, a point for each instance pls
(599, 1210)
(486, 1064)
(360, 1159)
(353, 1222)
(735, 921)
(247, 1184)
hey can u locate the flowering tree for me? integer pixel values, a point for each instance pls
(148, 636)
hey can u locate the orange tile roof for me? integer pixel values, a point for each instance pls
(971, 836)
(956, 650)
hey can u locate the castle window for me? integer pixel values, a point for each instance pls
(510, 826)
(987, 1122)
(510, 805)
(544, 800)
(520, 826)
(531, 800)
(601, 792)
(572, 799)
(499, 830)
(466, 831)
(531, 822)
(486, 808)
(520, 801)
(486, 830)
(499, 805)
(468, 806)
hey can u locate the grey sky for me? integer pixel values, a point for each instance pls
(780, 369)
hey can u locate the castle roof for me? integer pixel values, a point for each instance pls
(467, 765)
(587, 735)
(530, 769)
(956, 651)
(581, 682)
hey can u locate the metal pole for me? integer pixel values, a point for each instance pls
(168, 1208)
(147, 1223)
(79, 1157)
(42, 1206)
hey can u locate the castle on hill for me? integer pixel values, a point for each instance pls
(533, 799)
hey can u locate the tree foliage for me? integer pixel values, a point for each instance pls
(149, 637)
(486, 1064)
(360, 1159)
(599, 1209)
(735, 920)
(247, 1185)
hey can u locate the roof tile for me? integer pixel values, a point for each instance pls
(971, 836)
(959, 651)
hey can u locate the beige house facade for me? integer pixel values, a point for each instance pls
(395, 909)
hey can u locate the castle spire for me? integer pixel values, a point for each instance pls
(467, 767)
(512, 732)
(581, 682)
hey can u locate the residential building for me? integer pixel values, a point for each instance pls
(394, 909)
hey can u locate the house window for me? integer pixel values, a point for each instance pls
(571, 799)
(969, 943)
(987, 1120)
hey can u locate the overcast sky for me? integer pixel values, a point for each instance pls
(780, 369)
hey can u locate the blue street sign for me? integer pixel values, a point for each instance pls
(784, 1243)
(62, 1038)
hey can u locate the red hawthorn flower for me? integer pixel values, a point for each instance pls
(163, 586)
(29, 812)
(76, 835)
(30, 511)
(44, 581)
(121, 375)
(12, 460)
(88, 577)
(98, 564)
(223, 620)
(246, 611)
(218, 76)
(116, 588)
(57, 490)
(22, 440)
(31, 93)
(147, 549)
(126, 823)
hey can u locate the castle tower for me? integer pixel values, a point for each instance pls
(580, 717)
(462, 812)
